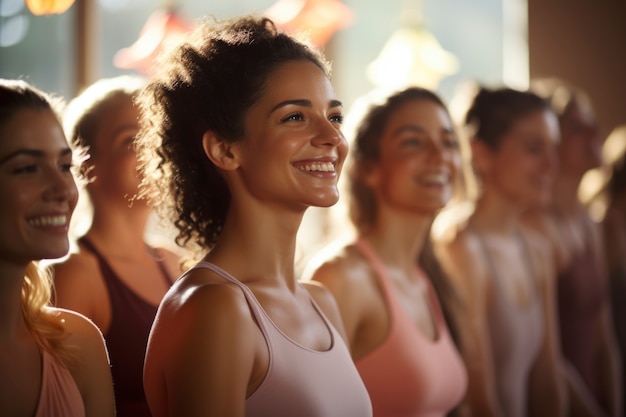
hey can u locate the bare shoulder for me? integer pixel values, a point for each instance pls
(344, 269)
(80, 330)
(81, 268)
(462, 257)
(197, 308)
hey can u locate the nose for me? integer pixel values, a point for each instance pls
(437, 151)
(328, 134)
(60, 186)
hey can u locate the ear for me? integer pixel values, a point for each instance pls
(482, 156)
(221, 153)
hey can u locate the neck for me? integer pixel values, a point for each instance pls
(496, 214)
(398, 238)
(122, 229)
(266, 237)
(565, 195)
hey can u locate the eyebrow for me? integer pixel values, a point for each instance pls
(304, 103)
(32, 152)
(416, 129)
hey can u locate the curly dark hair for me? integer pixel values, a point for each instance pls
(206, 83)
(366, 148)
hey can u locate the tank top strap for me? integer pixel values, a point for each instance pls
(370, 255)
(84, 241)
(254, 304)
(368, 252)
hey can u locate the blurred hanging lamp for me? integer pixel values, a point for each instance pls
(163, 27)
(42, 7)
(412, 56)
(318, 19)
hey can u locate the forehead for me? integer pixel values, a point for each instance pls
(32, 128)
(297, 78)
(537, 124)
(419, 111)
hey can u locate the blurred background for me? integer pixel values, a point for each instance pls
(440, 44)
(61, 46)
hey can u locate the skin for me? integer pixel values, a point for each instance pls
(412, 180)
(568, 227)
(515, 175)
(118, 228)
(205, 342)
(37, 187)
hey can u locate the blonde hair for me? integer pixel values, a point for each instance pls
(40, 317)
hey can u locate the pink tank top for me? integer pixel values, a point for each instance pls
(300, 381)
(59, 394)
(410, 375)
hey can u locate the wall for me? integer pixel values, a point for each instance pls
(583, 42)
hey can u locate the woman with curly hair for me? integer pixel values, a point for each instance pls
(241, 135)
(53, 362)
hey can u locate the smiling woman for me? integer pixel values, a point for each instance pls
(52, 361)
(404, 166)
(241, 134)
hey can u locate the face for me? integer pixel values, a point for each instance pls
(293, 149)
(113, 155)
(37, 188)
(581, 144)
(522, 168)
(419, 159)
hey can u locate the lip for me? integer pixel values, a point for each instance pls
(434, 179)
(58, 221)
(325, 166)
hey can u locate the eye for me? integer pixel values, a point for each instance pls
(338, 118)
(25, 169)
(450, 142)
(293, 117)
(413, 142)
(67, 167)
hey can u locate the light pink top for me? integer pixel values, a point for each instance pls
(299, 381)
(516, 338)
(59, 394)
(410, 375)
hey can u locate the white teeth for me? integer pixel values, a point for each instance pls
(435, 178)
(319, 166)
(49, 221)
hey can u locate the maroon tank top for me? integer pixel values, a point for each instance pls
(582, 289)
(126, 339)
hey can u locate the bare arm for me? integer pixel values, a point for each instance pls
(326, 301)
(78, 286)
(609, 360)
(547, 386)
(201, 354)
(334, 276)
(92, 372)
(460, 260)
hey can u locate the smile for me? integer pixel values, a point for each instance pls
(317, 167)
(435, 179)
(49, 221)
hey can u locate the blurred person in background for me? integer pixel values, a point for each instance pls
(584, 309)
(500, 270)
(387, 283)
(115, 277)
